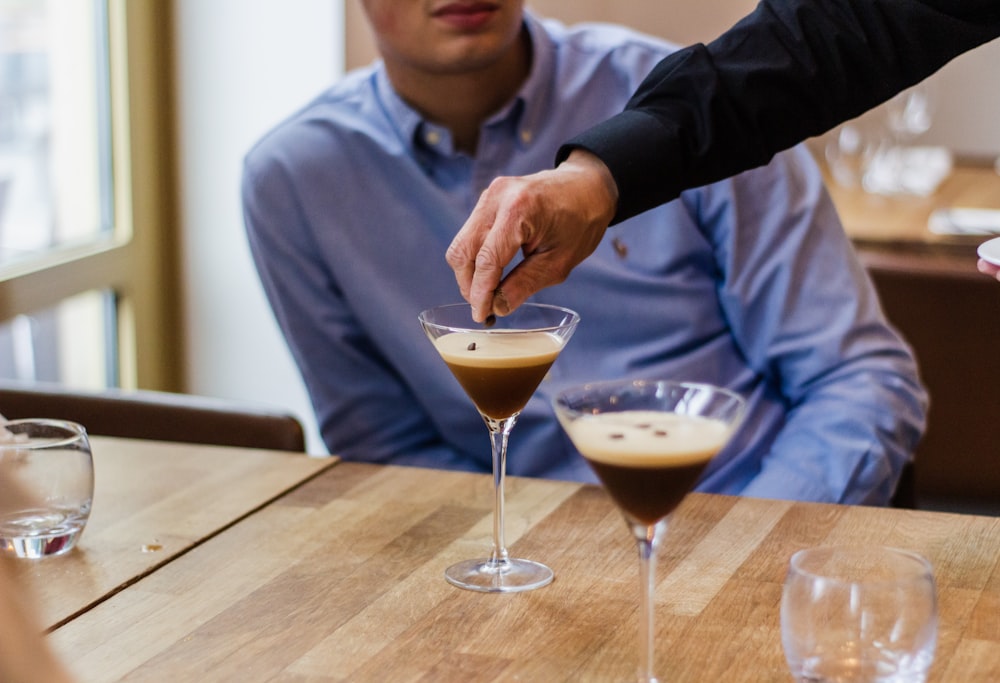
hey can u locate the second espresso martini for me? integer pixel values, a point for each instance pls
(647, 460)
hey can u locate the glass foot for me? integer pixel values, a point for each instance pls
(492, 576)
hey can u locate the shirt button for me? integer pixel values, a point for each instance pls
(525, 136)
(433, 137)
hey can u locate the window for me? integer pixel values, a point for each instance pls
(85, 258)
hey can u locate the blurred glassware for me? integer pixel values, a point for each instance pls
(910, 113)
(899, 166)
(915, 171)
(850, 149)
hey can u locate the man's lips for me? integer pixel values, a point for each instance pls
(466, 15)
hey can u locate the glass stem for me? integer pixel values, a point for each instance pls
(499, 433)
(648, 539)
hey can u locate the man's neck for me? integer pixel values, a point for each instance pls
(462, 102)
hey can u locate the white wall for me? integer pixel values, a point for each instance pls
(967, 116)
(242, 65)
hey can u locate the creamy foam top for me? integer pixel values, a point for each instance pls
(647, 438)
(498, 350)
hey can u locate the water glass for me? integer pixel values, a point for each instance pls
(859, 615)
(46, 486)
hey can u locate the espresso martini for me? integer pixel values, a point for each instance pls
(499, 372)
(647, 460)
(499, 364)
(648, 441)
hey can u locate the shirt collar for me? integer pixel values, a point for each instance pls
(522, 113)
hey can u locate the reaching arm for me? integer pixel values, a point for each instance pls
(786, 72)
(789, 70)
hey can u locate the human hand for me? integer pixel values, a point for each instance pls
(555, 217)
(989, 268)
(25, 656)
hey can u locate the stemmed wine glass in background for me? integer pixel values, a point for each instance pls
(910, 113)
(850, 148)
(648, 442)
(499, 367)
(897, 167)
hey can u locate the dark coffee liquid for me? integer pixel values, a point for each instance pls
(648, 494)
(500, 392)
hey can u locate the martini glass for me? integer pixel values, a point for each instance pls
(499, 367)
(648, 442)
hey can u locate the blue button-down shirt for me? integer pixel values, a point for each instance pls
(749, 283)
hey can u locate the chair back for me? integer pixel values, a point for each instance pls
(157, 415)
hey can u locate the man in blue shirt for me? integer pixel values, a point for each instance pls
(748, 283)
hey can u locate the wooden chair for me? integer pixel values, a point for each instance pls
(157, 415)
(950, 315)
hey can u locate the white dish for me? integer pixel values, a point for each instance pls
(990, 251)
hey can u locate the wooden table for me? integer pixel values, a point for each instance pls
(341, 579)
(154, 501)
(877, 221)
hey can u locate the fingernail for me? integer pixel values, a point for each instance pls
(500, 304)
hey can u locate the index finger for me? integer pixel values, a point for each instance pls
(464, 247)
(500, 245)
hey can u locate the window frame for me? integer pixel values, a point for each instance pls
(138, 261)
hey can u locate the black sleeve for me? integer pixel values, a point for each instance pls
(789, 70)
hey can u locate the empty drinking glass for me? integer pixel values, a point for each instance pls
(859, 615)
(46, 486)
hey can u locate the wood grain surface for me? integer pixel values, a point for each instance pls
(341, 580)
(152, 502)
